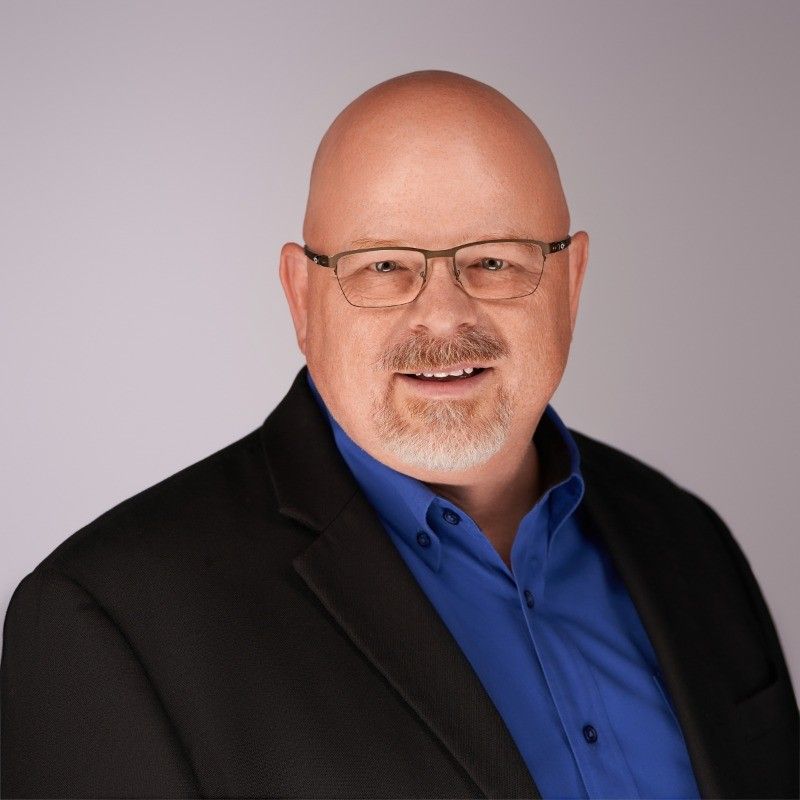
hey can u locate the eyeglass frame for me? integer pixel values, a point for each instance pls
(450, 252)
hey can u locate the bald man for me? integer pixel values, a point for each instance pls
(413, 580)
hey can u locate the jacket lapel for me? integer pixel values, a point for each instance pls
(349, 566)
(352, 563)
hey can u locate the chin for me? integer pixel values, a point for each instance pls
(431, 456)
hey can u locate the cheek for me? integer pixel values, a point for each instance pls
(340, 350)
(322, 353)
(326, 342)
(541, 354)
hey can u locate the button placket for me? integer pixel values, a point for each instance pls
(564, 656)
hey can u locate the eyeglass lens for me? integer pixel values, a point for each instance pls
(495, 271)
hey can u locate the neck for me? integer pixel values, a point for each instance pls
(498, 501)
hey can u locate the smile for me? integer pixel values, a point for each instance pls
(446, 384)
(455, 375)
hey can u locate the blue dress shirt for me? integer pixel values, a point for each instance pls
(556, 641)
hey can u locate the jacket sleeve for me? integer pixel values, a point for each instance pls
(772, 644)
(79, 715)
(769, 632)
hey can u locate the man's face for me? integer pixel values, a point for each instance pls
(389, 177)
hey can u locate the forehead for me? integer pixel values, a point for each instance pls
(383, 213)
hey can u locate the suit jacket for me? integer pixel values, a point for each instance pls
(246, 628)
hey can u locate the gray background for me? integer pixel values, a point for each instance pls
(155, 156)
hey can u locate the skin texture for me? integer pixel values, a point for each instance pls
(434, 159)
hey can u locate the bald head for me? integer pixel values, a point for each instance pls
(432, 158)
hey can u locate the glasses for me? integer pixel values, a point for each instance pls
(490, 269)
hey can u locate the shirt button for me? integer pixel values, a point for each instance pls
(529, 597)
(423, 539)
(451, 516)
(590, 734)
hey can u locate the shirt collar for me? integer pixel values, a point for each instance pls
(407, 504)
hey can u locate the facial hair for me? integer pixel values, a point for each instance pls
(435, 434)
(446, 435)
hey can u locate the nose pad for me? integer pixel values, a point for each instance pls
(453, 270)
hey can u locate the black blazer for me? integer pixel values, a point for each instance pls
(246, 628)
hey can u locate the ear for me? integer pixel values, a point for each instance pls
(294, 279)
(578, 258)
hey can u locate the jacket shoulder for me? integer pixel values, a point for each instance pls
(604, 460)
(177, 516)
(650, 492)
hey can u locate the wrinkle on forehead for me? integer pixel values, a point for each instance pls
(421, 147)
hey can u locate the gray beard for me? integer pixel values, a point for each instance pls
(443, 435)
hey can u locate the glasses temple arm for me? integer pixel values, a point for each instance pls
(317, 258)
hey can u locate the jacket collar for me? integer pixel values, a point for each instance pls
(352, 560)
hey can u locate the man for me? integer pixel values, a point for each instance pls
(413, 580)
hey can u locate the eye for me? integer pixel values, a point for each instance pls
(493, 264)
(385, 266)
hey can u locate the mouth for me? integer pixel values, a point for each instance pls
(453, 374)
(465, 380)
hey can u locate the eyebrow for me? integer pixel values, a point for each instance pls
(507, 233)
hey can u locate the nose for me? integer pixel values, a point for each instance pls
(443, 305)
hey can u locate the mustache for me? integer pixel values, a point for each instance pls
(423, 353)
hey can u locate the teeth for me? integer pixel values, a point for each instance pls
(466, 370)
